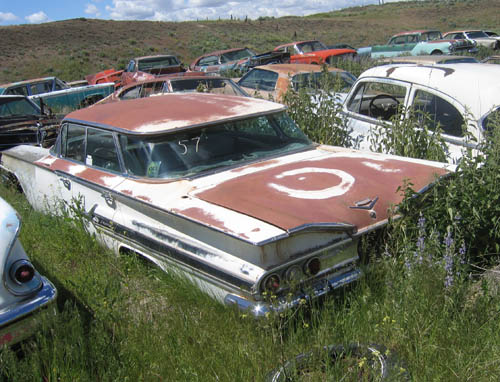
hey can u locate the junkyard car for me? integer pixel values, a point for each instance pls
(452, 95)
(108, 75)
(225, 189)
(480, 37)
(420, 42)
(314, 52)
(148, 67)
(23, 122)
(56, 94)
(273, 81)
(237, 59)
(188, 82)
(23, 291)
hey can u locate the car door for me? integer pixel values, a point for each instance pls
(371, 105)
(87, 170)
(459, 131)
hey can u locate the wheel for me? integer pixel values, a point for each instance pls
(384, 110)
(436, 52)
(364, 362)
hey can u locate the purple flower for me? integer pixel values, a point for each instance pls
(448, 240)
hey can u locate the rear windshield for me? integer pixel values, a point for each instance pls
(195, 151)
(157, 62)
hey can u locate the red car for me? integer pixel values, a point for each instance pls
(313, 52)
(148, 67)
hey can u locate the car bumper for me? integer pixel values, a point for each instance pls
(19, 321)
(322, 287)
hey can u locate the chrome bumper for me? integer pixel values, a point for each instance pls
(18, 321)
(322, 287)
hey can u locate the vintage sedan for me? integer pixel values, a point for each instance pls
(149, 67)
(236, 59)
(23, 291)
(457, 97)
(23, 122)
(429, 59)
(226, 190)
(273, 81)
(177, 83)
(58, 95)
(314, 52)
(480, 37)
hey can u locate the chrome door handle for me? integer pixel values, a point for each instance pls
(66, 183)
(109, 199)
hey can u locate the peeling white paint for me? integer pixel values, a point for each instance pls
(378, 167)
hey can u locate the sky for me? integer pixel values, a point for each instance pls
(35, 11)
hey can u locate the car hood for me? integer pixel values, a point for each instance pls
(322, 189)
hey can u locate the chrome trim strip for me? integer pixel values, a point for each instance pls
(261, 309)
(44, 296)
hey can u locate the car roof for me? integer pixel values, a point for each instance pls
(171, 112)
(293, 43)
(27, 81)
(476, 86)
(219, 52)
(415, 32)
(296, 68)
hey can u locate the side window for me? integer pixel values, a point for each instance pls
(210, 60)
(398, 40)
(377, 99)
(101, 150)
(18, 90)
(41, 87)
(259, 79)
(73, 142)
(438, 111)
(492, 121)
(131, 93)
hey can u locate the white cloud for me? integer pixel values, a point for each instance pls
(92, 10)
(37, 18)
(5, 17)
(177, 10)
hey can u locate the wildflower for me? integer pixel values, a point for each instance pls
(448, 240)
(421, 222)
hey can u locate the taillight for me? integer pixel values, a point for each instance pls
(22, 272)
(272, 283)
(294, 274)
(313, 266)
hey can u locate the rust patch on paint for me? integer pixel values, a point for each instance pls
(127, 192)
(202, 216)
(308, 192)
(255, 165)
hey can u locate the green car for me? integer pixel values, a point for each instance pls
(415, 43)
(56, 94)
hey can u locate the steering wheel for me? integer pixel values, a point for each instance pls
(386, 111)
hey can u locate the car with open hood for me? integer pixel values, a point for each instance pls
(149, 67)
(23, 291)
(23, 122)
(457, 98)
(57, 94)
(177, 83)
(226, 190)
(314, 52)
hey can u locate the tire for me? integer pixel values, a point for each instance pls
(383, 364)
(436, 52)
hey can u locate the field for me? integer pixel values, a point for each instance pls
(73, 48)
(424, 297)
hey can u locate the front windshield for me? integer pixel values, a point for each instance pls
(206, 85)
(311, 46)
(146, 64)
(236, 55)
(195, 151)
(18, 106)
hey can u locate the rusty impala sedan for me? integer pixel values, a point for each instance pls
(226, 190)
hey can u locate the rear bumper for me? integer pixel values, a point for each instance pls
(19, 321)
(322, 287)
